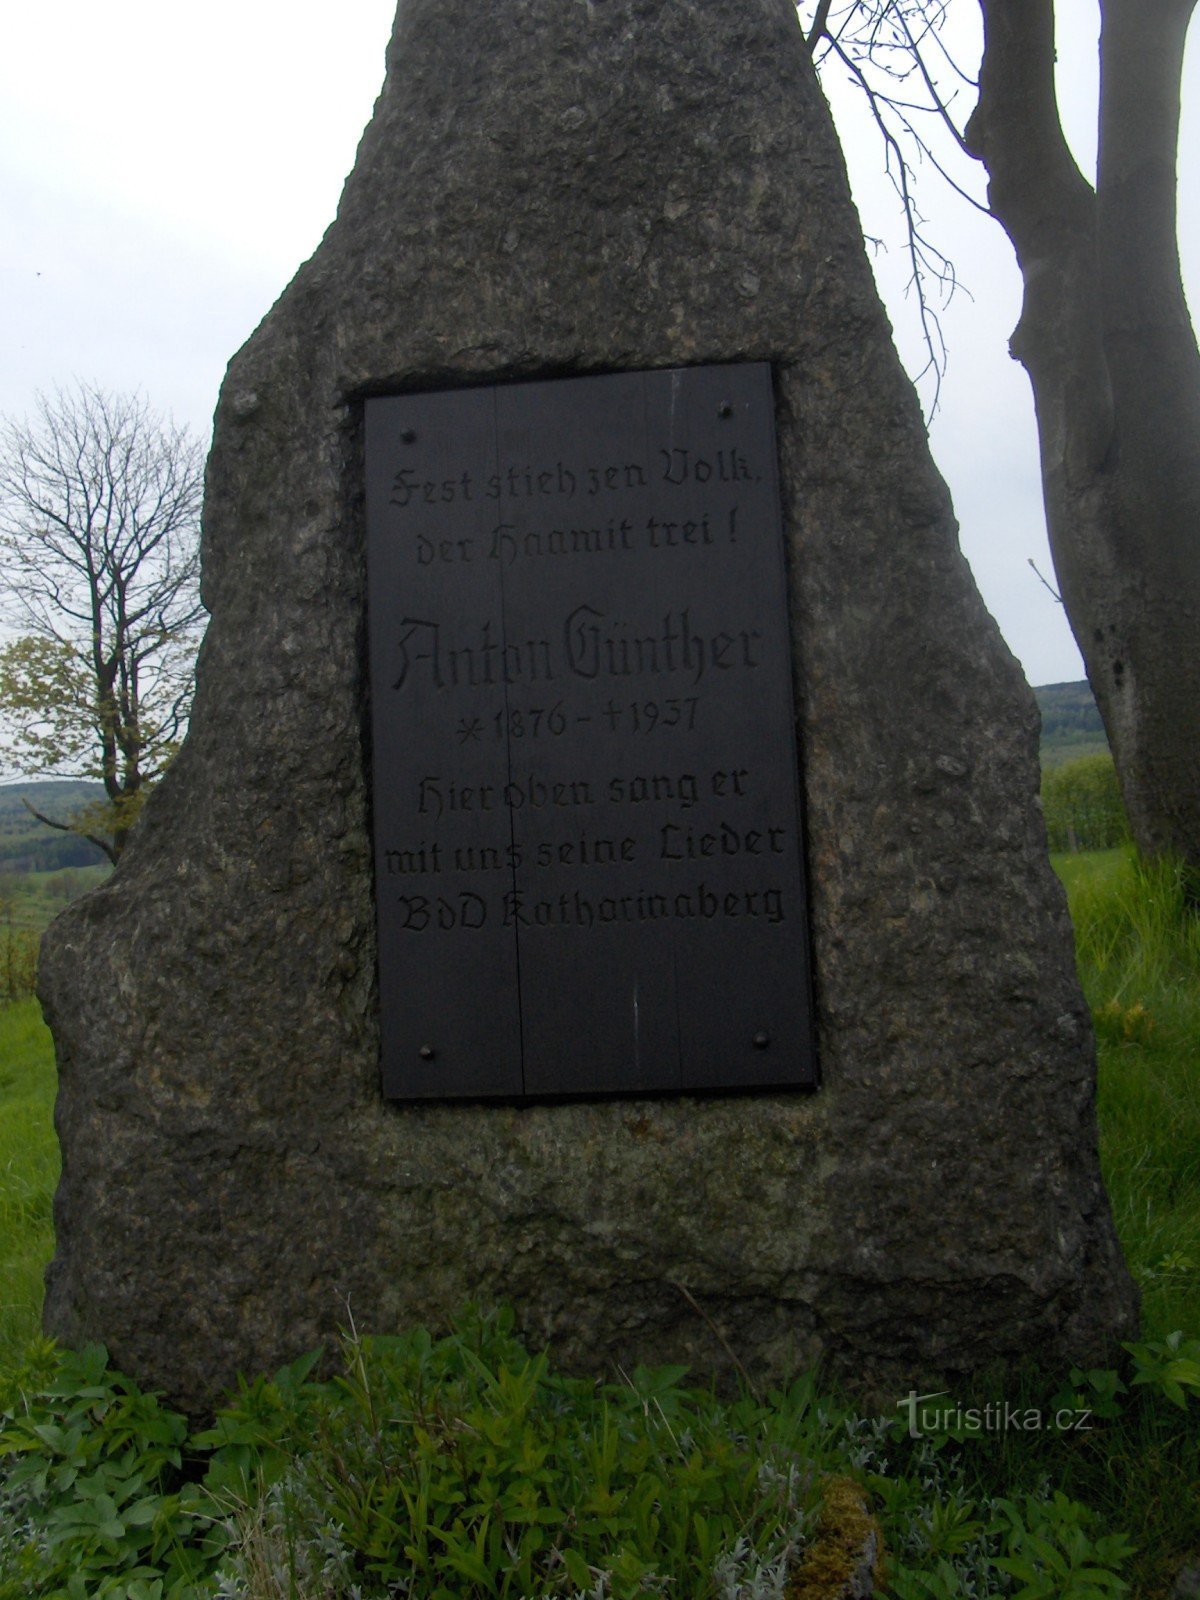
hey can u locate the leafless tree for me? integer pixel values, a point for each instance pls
(99, 515)
(1104, 335)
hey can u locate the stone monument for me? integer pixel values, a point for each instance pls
(549, 192)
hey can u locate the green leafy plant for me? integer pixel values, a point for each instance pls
(1170, 1365)
(464, 1468)
(93, 1483)
(256, 1433)
(1040, 1549)
(468, 1463)
(1095, 1392)
(1054, 1554)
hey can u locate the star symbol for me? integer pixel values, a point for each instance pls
(469, 728)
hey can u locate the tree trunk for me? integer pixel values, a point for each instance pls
(1106, 339)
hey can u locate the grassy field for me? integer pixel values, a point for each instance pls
(1139, 961)
(1138, 1469)
(31, 900)
(28, 1172)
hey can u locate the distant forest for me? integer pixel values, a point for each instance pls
(27, 845)
(1071, 727)
(1071, 724)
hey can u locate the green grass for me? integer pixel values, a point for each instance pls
(29, 1167)
(1138, 951)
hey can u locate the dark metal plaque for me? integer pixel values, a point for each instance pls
(589, 871)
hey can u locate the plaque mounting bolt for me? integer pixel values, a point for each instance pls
(408, 436)
(427, 1052)
(761, 1041)
(724, 410)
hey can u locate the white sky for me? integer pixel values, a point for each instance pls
(165, 169)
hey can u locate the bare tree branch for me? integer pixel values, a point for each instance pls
(885, 48)
(923, 257)
(1049, 587)
(69, 827)
(937, 104)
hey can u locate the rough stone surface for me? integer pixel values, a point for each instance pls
(549, 188)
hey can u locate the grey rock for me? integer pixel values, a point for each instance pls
(860, 1585)
(551, 188)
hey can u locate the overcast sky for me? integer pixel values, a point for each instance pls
(165, 169)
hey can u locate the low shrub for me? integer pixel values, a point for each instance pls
(442, 1469)
(1082, 804)
(463, 1468)
(18, 962)
(94, 1503)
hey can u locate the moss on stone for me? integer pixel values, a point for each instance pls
(846, 1546)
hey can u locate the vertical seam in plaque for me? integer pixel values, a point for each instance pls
(674, 932)
(508, 777)
(678, 1016)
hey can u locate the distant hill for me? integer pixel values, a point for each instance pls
(1071, 724)
(27, 845)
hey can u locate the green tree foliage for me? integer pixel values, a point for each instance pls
(1082, 804)
(99, 517)
(18, 957)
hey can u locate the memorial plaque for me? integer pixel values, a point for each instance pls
(589, 869)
